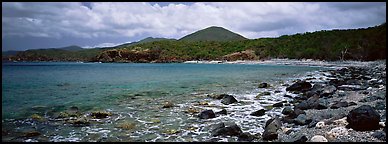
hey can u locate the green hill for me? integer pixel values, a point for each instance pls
(365, 44)
(213, 34)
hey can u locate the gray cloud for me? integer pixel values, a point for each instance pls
(83, 23)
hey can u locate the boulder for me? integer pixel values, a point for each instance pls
(300, 86)
(246, 137)
(263, 85)
(380, 105)
(258, 113)
(323, 103)
(168, 104)
(207, 114)
(279, 104)
(271, 127)
(302, 120)
(228, 99)
(232, 130)
(287, 110)
(100, 114)
(363, 118)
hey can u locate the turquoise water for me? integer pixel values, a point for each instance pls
(132, 91)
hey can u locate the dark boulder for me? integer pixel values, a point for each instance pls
(263, 85)
(300, 86)
(312, 102)
(271, 127)
(207, 114)
(228, 99)
(232, 130)
(279, 104)
(246, 137)
(287, 110)
(352, 103)
(363, 118)
(258, 113)
(223, 111)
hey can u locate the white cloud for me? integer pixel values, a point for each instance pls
(252, 20)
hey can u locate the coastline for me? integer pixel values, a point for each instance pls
(296, 62)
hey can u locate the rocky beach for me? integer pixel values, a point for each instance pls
(345, 102)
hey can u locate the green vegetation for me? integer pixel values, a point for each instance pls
(209, 44)
(213, 34)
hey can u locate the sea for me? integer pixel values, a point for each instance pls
(134, 94)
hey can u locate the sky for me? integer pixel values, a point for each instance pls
(95, 24)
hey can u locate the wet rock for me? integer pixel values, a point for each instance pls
(323, 103)
(192, 110)
(214, 127)
(207, 114)
(223, 111)
(352, 103)
(380, 135)
(100, 114)
(288, 96)
(328, 90)
(37, 117)
(32, 134)
(79, 122)
(312, 102)
(300, 86)
(258, 113)
(271, 127)
(287, 110)
(302, 120)
(279, 104)
(232, 130)
(337, 104)
(263, 85)
(168, 104)
(363, 118)
(246, 137)
(228, 99)
(318, 138)
(126, 125)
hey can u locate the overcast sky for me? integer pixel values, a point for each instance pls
(43, 25)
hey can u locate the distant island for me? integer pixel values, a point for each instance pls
(217, 43)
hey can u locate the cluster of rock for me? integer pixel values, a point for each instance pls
(320, 97)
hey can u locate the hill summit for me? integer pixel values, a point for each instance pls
(213, 33)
